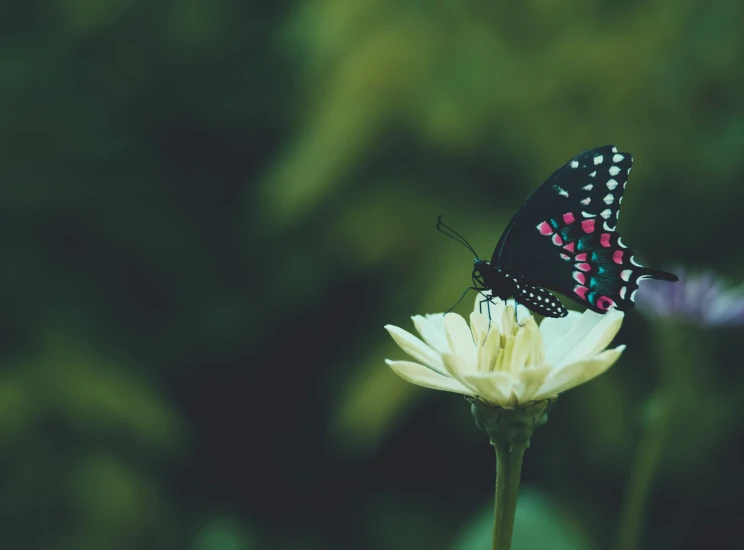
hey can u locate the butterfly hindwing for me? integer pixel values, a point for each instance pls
(603, 271)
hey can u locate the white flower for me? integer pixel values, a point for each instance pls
(508, 365)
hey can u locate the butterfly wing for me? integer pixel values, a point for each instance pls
(564, 236)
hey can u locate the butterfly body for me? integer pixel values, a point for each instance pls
(493, 279)
(504, 285)
(564, 239)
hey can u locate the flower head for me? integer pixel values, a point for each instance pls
(507, 365)
(701, 299)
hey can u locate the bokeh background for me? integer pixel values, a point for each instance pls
(210, 208)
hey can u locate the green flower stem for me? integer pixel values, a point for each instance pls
(643, 471)
(676, 358)
(508, 473)
(510, 431)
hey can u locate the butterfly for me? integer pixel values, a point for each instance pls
(564, 238)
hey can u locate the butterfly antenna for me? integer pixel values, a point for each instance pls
(458, 301)
(454, 235)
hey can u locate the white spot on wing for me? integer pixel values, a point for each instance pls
(609, 198)
(593, 174)
(574, 164)
(607, 227)
(617, 158)
(606, 213)
(623, 291)
(620, 242)
(598, 159)
(611, 184)
(588, 215)
(614, 170)
(632, 295)
(586, 201)
(634, 262)
(625, 274)
(587, 187)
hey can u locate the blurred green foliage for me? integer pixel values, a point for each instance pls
(209, 210)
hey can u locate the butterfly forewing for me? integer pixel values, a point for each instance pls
(590, 185)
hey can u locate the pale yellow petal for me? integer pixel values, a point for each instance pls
(431, 329)
(460, 339)
(532, 379)
(416, 348)
(424, 376)
(506, 320)
(479, 327)
(590, 325)
(457, 367)
(578, 373)
(554, 329)
(506, 356)
(560, 346)
(437, 321)
(528, 337)
(536, 355)
(487, 352)
(523, 314)
(510, 321)
(597, 339)
(492, 310)
(493, 387)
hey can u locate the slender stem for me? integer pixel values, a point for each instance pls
(508, 472)
(643, 471)
(677, 357)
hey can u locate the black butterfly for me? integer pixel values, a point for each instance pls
(563, 238)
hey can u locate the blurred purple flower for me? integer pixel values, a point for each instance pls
(702, 299)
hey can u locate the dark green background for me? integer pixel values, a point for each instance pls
(209, 210)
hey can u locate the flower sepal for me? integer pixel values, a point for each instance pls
(512, 427)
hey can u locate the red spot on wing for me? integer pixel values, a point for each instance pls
(581, 291)
(584, 267)
(617, 257)
(568, 217)
(570, 247)
(545, 228)
(579, 277)
(581, 257)
(604, 240)
(557, 240)
(588, 226)
(605, 302)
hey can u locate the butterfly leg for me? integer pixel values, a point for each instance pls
(488, 300)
